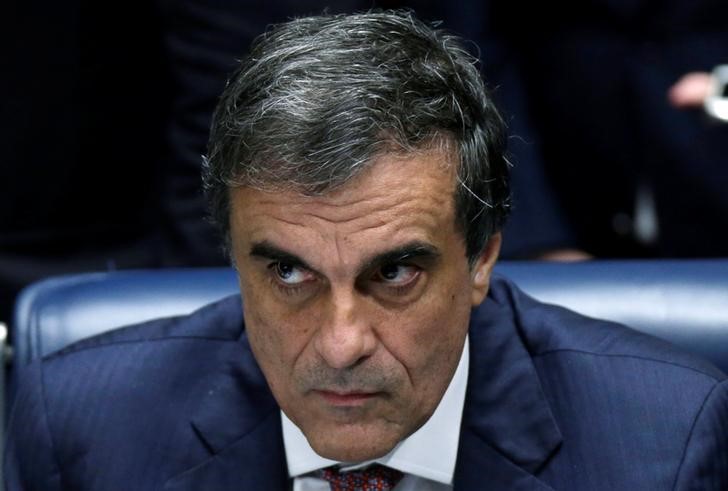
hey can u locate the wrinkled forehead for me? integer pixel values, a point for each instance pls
(398, 199)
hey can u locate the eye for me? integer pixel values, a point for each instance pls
(290, 274)
(397, 275)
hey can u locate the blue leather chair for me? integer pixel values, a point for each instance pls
(57, 311)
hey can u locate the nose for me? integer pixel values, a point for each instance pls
(345, 336)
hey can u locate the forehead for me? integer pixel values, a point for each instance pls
(398, 198)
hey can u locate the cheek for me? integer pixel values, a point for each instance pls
(429, 337)
(276, 339)
(265, 341)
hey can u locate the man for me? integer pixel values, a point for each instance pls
(356, 167)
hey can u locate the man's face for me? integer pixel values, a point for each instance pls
(357, 302)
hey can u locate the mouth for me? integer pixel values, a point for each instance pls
(346, 399)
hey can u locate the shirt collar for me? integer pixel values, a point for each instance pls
(429, 452)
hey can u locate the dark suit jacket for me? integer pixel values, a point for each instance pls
(555, 401)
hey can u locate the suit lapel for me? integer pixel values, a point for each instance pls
(255, 461)
(508, 431)
(480, 466)
(238, 423)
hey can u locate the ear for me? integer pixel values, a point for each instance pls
(482, 269)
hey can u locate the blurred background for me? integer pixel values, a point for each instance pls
(105, 110)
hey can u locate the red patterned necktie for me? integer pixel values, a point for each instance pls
(373, 478)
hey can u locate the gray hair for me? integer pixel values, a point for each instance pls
(318, 98)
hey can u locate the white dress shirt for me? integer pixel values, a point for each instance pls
(427, 457)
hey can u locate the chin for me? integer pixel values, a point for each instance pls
(351, 453)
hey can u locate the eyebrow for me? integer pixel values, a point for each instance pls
(411, 250)
(266, 250)
(408, 251)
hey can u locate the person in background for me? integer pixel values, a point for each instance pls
(603, 162)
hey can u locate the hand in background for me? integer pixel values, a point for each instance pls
(691, 90)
